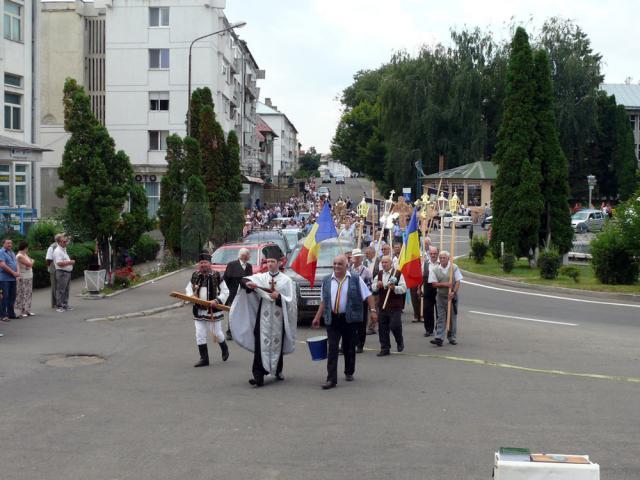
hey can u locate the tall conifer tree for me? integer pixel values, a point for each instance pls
(172, 190)
(555, 222)
(517, 199)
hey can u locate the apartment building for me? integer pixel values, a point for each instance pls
(19, 154)
(132, 56)
(629, 96)
(285, 144)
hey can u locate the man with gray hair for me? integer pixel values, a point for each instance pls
(235, 271)
(439, 278)
(52, 267)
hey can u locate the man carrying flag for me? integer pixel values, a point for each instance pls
(307, 260)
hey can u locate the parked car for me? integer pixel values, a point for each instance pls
(309, 297)
(339, 179)
(326, 179)
(462, 221)
(274, 236)
(258, 251)
(587, 220)
(486, 223)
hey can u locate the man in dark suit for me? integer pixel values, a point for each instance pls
(235, 271)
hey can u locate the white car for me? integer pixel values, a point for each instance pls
(587, 220)
(462, 221)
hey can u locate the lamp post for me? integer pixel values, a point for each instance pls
(230, 27)
(591, 181)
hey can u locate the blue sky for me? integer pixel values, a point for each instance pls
(310, 49)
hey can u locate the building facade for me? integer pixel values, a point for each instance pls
(19, 154)
(629, 96)
(285, 145)
(132, 56)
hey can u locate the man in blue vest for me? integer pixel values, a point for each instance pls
(342, 300)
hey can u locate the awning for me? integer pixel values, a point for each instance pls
(256, 180)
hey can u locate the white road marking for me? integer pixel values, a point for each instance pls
(524, 318)
(568, 299)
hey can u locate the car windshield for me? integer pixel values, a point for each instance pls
(226, 255)
(292, 238)
(328, 251)
(580, 216)
(274, 237)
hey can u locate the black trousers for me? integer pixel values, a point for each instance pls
(257, 369)
(389, 321)
(415, 302)
(339, 328)
(429, 313)
(361, 328)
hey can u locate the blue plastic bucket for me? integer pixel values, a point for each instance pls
(318, 348)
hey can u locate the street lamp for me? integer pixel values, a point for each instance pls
(591, 181)
(230, 27)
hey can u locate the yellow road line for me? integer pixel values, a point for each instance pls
(491, 363)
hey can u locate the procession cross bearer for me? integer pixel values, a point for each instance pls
(206, 284)
(263, 320)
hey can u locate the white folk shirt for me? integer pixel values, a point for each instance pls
(457, 276)
(221, 298)
(401, 286)
(60, 255)
(335, 283)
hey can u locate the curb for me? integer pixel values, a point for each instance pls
(629, 297)
(124, 290)
(142, 313)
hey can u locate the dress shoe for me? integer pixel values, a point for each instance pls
(437, 342)
(280, 377)
(359, 349)
(427, 334)
(371, 331)
(329, 385)
(256, 382)
(400, 346)
(348, 378)
(453, 342)
(416, 320)
(382, 353)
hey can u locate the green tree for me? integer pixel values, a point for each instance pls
(97, 181)
(624, 156)
(310, 161)
(230, 214)
(200, 98)
(555, 223)
(196, 228)
(517, 199)
(172, 190)
(628, 220)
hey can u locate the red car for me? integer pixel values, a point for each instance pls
(258, 260)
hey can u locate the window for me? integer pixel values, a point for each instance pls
(158, 58)
(474, 192)
(20, 185)
(5, 185)
(13, 80)
(226, 71)
(12, 21)
(158, 140)
(159, 101)
(12, 111)
(152, 190)
(158, 16)
(225, 104)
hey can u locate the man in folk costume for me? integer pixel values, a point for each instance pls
(389, 316)
(343, 297)
(235, 271)
(263, 320)
(439, 277)
(208, 285)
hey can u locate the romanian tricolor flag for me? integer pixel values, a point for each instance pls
(410, 264)
(306, 261)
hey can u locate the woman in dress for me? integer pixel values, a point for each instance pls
(25, 281)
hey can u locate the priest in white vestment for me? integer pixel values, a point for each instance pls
(263, 320)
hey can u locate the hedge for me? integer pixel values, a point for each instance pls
(145, 249)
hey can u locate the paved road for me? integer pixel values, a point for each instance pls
(436, 413)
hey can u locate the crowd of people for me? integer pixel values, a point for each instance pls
(16, 278)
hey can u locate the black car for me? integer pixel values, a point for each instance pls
(308, 296)
(274, 236)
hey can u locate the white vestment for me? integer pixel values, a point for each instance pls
(244, 312)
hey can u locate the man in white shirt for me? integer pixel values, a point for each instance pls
(64, 267)
(439, 277)
(430, 292)
(390, 287)
(52, 267)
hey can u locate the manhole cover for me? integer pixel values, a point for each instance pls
(73, 360)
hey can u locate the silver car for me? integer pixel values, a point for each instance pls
(587, 220)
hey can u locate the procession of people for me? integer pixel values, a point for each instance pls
(366, 293)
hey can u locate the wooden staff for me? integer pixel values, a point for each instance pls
(199, 301)
(384, 305)
(452, 254)
(373, 211)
